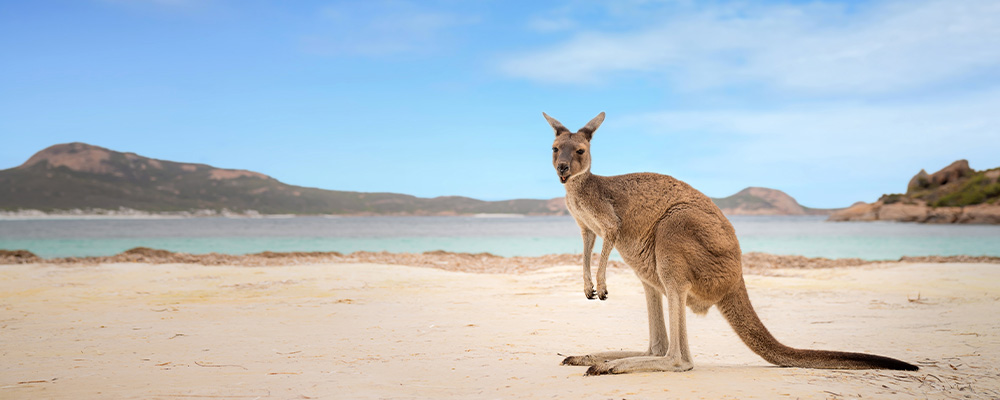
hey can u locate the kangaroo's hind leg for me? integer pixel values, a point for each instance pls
(657, 335)
(677, 357)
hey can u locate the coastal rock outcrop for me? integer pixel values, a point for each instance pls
(952, 173)
(955, 194)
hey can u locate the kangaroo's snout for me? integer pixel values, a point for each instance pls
(562, 169)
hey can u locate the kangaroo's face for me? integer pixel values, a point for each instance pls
(570, 155)
(571, 151)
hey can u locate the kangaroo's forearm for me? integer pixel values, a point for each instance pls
(602, 267)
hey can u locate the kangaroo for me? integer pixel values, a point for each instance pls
(680, 246)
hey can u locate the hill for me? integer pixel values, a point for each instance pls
(82, 176)
(764, 201)
(955, 194)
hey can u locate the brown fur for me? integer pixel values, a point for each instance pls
(681, 246)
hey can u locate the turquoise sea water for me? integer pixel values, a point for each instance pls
(527, 236)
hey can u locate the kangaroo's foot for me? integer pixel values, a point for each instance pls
(601, 292)
(598, 358)
(588, 290)
(641, 364)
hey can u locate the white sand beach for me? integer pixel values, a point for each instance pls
(188, 331)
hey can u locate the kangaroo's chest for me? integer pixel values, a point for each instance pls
(584, 214)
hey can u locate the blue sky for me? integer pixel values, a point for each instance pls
(832, 102)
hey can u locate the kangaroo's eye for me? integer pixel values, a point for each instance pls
(555, 150)
(579, 151)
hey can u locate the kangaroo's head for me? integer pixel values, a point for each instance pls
(571, 151)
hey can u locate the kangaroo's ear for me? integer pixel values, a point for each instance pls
(588, 130)
(556, 125)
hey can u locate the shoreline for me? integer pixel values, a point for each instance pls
(133, 214)
(753, 262)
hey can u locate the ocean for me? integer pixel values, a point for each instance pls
(507, 236)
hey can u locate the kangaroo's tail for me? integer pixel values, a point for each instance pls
(737, 309)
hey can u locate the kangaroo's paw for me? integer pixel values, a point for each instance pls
(581, 360)
(588, 288)
(602, 294)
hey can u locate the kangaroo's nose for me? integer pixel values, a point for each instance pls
(562, 168)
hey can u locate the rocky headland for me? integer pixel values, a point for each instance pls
(956, 194)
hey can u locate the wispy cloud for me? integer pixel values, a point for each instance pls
(914, 131)
(832, 102)
(859, 150)
(810, 49)
(377, 28)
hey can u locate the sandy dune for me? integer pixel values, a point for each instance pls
(176, 331)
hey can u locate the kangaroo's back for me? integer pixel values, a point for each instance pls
(644, 202)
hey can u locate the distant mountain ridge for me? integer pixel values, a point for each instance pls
(83, 176)
(79, 176)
